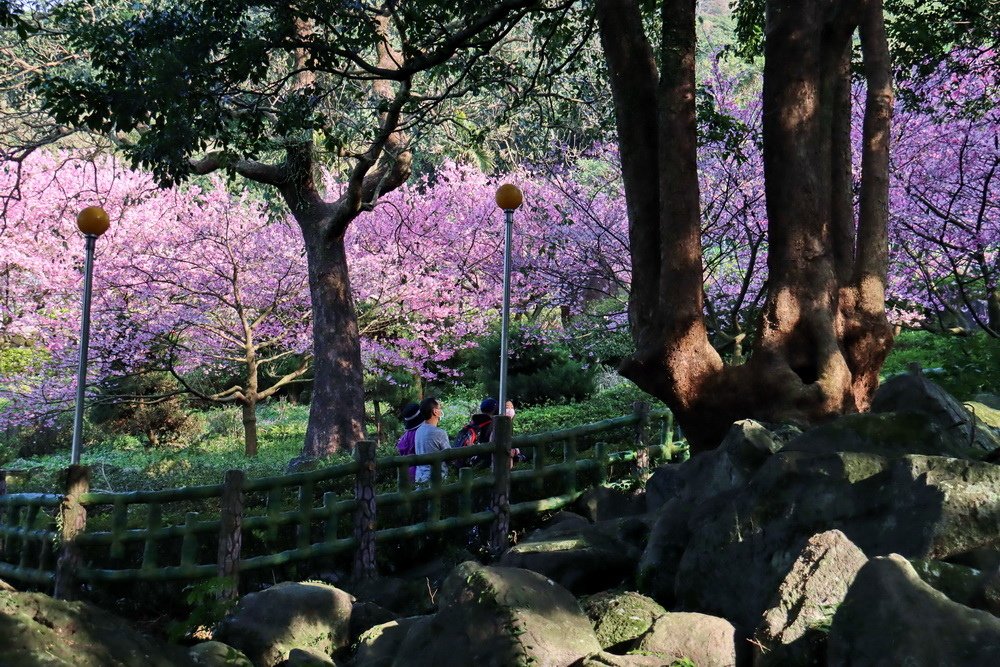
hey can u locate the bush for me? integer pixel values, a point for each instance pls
(539, 369)
(145, 404)
(962, 365)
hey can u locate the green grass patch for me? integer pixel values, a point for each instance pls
(963, 365)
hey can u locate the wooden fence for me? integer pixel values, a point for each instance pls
(80, 536)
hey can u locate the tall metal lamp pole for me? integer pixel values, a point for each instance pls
(92, 221)
(508, 198)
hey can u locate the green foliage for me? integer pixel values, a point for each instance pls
(149, 404)
(538, 370)
(16, 359)
(962, 365)
(38, 440)
(613, 402)
(207, 607)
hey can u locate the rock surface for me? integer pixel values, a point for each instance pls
(38, 630)
(791, 632)
(217, 654)
(582, 558)
(266, 626)
(891, 617)
(379, 646)
(742, 545)
(913, 393)
(707, 641)
(500, 616)
(621, 617)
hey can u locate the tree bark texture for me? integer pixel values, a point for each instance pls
(823, 335)
(74, 521)
(231, 533)
(337, 407)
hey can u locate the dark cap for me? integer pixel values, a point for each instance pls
(489, 406)
(411, 416)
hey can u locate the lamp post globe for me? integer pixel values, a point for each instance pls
(509, 197)
(93, 220)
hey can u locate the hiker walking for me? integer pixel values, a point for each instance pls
(429, 437)
(476, 432)
(407, 444)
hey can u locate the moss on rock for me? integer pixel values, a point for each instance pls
(621, 617)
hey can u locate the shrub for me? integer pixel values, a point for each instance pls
(146, 404)
(539, 369)
(962, 365)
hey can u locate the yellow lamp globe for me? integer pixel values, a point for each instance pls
(93, 220)
(509, 197)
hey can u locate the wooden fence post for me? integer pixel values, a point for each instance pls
(500, 497)
(3, 482)
(73, 516)
(364, 515)
(231, 534)
(641, 411)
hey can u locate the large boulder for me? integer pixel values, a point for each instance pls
(217, 654)
(620, 617)
(606, 659)
(741, 547)
(584, 558)
(603, 503)
(656, 573)
(891, 617)
(746, 447)
(38, 630)
(913, 393)
(961, 584)
(379, 646)
(267, 625)
(500, 616)
(707, 641)
(790, 633)
(886, 434)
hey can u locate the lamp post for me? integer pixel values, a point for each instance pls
(92, 221)
(508, 198)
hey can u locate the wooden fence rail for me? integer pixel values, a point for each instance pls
(82, 536)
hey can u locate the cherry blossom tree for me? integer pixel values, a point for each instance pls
(188, 280)
(946, 206)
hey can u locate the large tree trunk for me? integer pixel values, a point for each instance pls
(337, 406)
(823, 334)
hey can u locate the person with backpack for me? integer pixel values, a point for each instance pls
(476, 432)
(406, 446)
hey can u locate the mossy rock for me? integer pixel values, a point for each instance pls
(500, 616)
(620, 617)
(886, 434)
(217, 654)
(984, 414)
(38, 630)
(960, 583)
(266, 626)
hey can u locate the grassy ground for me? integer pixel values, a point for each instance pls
(124, 463)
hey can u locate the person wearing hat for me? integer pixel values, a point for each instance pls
(412, 418)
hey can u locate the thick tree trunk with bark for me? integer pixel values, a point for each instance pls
(823, 335)
(337, 406)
